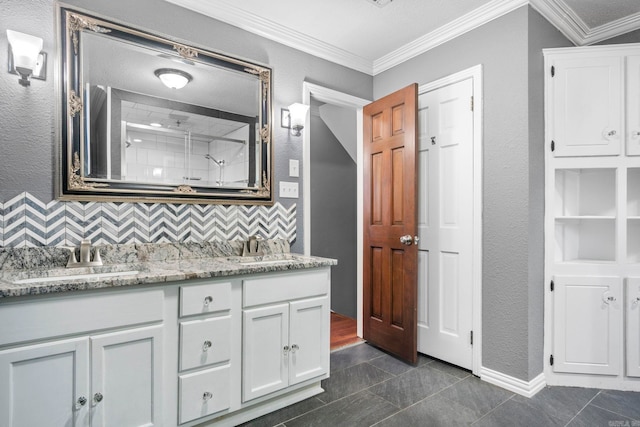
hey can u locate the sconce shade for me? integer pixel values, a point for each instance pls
(173, 79)
(25, 50)
(298, 113)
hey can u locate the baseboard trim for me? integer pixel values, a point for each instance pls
(516, 385)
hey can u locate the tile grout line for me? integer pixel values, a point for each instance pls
(582, 409)
(506, 400)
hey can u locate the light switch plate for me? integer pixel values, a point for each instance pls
(288, 190)
(294, 168)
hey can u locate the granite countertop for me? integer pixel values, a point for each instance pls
(36, 271)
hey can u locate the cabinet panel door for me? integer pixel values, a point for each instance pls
(633, 327)
(126, 370)
(41, 384)
(587, 336)
(587, 103)
(633, 105)
(309, 339)
(264, 357)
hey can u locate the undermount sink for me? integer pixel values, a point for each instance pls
(59, 278)
(266, 262)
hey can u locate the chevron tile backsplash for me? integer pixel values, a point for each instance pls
(26, 221)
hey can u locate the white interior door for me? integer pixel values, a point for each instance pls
(445, 223)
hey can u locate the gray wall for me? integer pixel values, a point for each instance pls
(27, 116)
(334, 219)
(513, 191)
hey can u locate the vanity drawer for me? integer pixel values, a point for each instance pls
(286, 287)
(204, 393)
(205, 298)
(205, 342)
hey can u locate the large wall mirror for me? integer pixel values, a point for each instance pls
(150, 119)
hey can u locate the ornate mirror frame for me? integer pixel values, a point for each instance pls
(74, 184)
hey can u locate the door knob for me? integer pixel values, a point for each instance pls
(406, 240)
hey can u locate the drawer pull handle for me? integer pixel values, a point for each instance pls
(207, 395)
(206, 345)
(208, 300)
(98, 397)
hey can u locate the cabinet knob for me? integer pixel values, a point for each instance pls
(635, 134)
(609, 133)
(206, 345)
(207, 395)
(636, 301)
(294, 348)
(82, 401)
(285, 349)
(208, 300)
(98, 397)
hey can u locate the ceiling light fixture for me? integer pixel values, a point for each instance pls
(172, 78)
(380, 3)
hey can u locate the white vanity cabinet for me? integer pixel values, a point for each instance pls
(95, 379)
(285, 331)
(592, 216)
(202, 352)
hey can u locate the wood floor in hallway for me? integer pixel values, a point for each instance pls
(343, 331)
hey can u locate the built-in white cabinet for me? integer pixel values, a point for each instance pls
(103, 380)
(587, 105)
(633, 326)
(587, 324)
(285, 332)
(592, 219)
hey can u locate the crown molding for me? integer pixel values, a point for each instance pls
(575, 29)
(255, 24)
(459, 26)
(555, 11)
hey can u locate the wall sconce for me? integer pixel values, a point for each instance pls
(294, 117)
(173, 79)
(26, 57)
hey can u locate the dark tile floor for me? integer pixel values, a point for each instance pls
(367, 387)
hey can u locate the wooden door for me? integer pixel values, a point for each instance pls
(45, 384)
(445, 223)
(390, 193)
(587, 106)
(308, 339)
(588, 325)
(126, 378)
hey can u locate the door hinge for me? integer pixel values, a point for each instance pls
(553, 71)
(553, 145)
(553, 286)
(471, 339)
(551, 360)
(472, 103)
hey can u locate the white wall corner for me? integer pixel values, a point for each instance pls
(516, 385)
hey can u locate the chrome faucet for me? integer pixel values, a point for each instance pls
(252, 247)
(85, 256)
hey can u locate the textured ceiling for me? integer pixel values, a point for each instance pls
(364, 36)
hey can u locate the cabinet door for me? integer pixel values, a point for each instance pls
(265, 350)
(587, 104)
(633, 327)
(309, 339)
(41, 385)
(633, 105)
(587, 336)
(126, 378)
